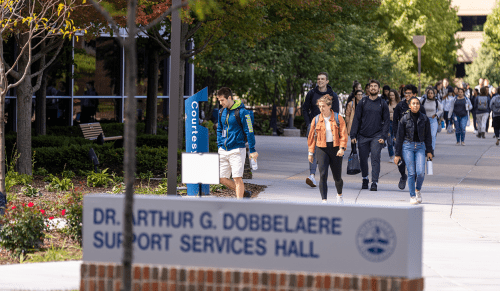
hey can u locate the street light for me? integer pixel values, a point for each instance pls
(419, 41)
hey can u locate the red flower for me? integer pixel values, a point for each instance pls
(42, 211)
(23, 204)
(63, 212)
(30, 204)
(52, 217)
(13, 207)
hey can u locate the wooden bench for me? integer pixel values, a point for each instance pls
(92, 130)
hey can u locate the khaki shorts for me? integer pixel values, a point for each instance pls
(232, 162)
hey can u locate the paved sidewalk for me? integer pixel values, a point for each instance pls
(461, 203)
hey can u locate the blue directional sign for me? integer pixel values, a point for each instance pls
(196, 135)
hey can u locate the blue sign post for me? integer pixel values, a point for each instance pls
(196, 135)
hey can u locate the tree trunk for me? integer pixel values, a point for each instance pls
(152, 98)
(130, 48)
(41, 107)
(3, 172)
(24, 101)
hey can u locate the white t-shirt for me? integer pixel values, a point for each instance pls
(329, 135)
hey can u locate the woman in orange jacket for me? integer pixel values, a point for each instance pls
(331, 141)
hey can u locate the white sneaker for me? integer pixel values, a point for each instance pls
(413, 200)
(391, 159)
(475, 131)
(311, 181)
(419, 196)
(323, 201)
(340, 199)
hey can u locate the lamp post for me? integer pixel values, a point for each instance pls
(419, 41)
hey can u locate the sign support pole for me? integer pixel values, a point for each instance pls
(173, 122)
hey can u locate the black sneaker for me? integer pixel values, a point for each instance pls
(402, 182)
(373, 187)
(365, 184)
(247, 194)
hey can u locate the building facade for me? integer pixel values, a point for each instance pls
(472, 14)
(86, 83)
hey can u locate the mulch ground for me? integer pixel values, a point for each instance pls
(57, 239)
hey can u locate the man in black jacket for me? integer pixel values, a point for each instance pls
(400, 109)
(370, 127)
(310, 110)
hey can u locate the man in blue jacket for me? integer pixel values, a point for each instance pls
(231, 135)
(310, 110)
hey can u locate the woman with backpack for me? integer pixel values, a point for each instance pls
(459, 113)
(495, 110)
(446, 102)
(330, 138)
(392, 102)
(414, 144)
(433, 110)
(482, 105)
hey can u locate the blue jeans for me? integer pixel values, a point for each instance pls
(313, 165)
(390, 141)
(414, 156)
(460, 125)
(434, 130)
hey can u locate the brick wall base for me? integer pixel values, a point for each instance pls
(106, 276)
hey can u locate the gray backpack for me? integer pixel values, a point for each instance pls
(482, 103)
(495, 106)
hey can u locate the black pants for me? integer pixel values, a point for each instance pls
(328, 157)
(365, 147)
(496, 125)
(474, 118)
(488, 123)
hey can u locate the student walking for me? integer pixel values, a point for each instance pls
(393, 101)
(414, 144)
(328, 135)
(459, 113)
(495, 111)
(433, 110)
(482, 105)
(370, 128)
(231, 141)
(310, 110)
(402, 107)
(446, 102)
(351, 109)
(473, 97)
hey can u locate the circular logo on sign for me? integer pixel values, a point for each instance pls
(376, 240)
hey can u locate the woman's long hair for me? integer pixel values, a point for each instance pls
(397, 99)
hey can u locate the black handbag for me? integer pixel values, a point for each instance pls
(353, 166)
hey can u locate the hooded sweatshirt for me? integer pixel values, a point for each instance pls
(235, 135)
(310, 108)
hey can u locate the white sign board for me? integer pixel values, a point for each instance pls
(200, 168)
(227, 233)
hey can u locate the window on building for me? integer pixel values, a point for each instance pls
(472, 23)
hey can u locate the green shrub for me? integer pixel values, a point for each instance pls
(100, 179)
(58, 185)
(31, 191)
(73, 215)
(23, 228)
(68, 174)
(40, 172)
(154, 141)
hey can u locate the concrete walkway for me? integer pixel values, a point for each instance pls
(461, 203)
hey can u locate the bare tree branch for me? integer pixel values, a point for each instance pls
(160, 18)
(40, 71)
